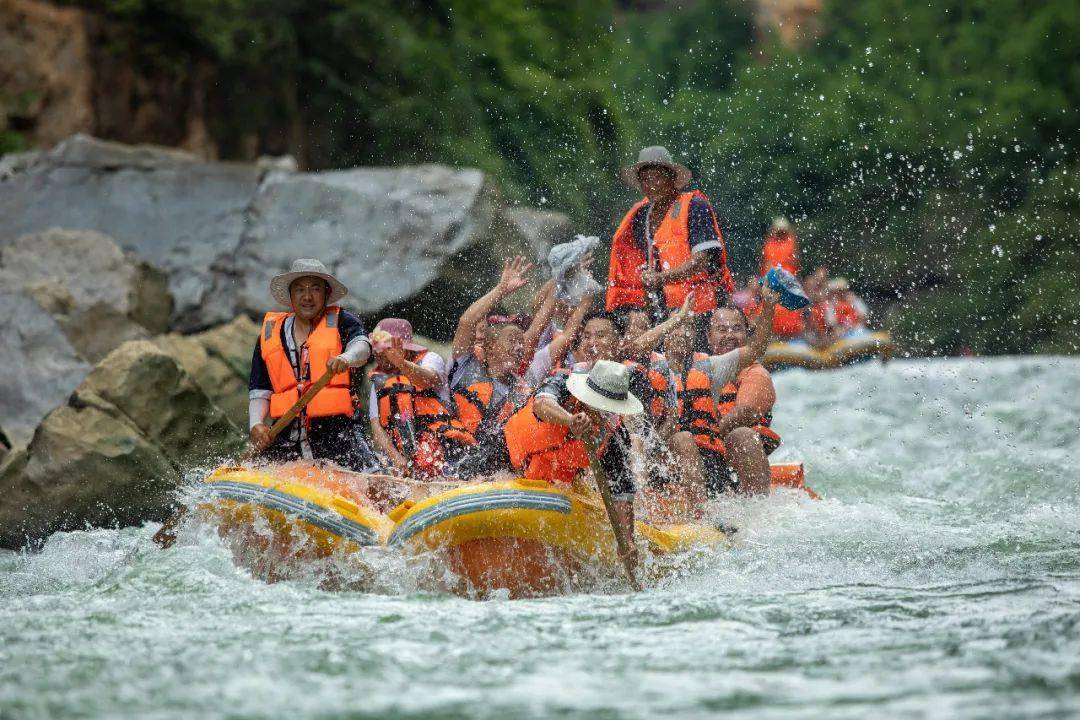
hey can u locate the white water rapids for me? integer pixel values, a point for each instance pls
(938, 577)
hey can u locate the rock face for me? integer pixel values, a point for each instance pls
(39, 367)
(167, 207)
(219, 360)
(540, 228)
(45, 77)
(398, 237)
(115, 451)
(100, 295)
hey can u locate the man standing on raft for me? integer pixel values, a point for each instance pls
(668, 245)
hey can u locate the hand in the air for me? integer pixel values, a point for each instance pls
(513, 274)
(684, 311)
(769, 296)
(260, 436)
(650, 278)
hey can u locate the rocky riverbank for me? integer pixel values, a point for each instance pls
(131, 279)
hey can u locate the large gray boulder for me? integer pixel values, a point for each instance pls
(428, 236)
(171, 209)
(100, 295)
(39, 367)
(219, 360)
(114, 453)
(385, 232)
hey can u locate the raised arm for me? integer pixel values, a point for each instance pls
(541, 318)
(561, 345)
(754, 350)
(512, 279)
(647, 341)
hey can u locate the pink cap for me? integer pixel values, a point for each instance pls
(400, 328)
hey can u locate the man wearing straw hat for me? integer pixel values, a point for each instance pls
(297, 347)
(668, 245)
(544, 438)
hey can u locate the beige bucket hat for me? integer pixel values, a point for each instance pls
(305, 267)
(606, 388)
(656, 155)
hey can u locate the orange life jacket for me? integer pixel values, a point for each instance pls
(544, 451)
(696, 408)
(323, 343)
(672, 243)
(409, 414)
(843, 315)
(780, 249)
(656, 399)
(472, 397)
(787, 324)
(726, 403)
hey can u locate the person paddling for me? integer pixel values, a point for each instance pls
(545, 438)
(294, 349)
(668, 245)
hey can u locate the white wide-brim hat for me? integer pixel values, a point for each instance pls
(656, 155)
(606, 388)
(305, 267)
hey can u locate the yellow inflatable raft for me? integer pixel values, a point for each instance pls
(855, 348)
(281, 517)
(520, 537)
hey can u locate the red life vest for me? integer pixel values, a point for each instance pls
(780, 249)
(323, 343)
(672, 243)
(726, 403)
(830, 314)
(787, 324)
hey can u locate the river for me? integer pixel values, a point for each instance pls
(939, 576)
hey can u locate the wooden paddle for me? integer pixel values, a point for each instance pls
(602, 485)
(166, 536)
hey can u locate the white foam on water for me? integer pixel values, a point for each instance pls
(939, 576)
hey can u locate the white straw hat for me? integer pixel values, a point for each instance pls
(656, 155)
(606, 388)
(305, 267)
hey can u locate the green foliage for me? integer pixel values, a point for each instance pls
(906, 143)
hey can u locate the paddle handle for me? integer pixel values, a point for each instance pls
(621, 542)
(286, 419)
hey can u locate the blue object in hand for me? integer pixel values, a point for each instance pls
(792, 295)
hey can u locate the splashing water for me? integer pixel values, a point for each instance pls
(939, 576)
